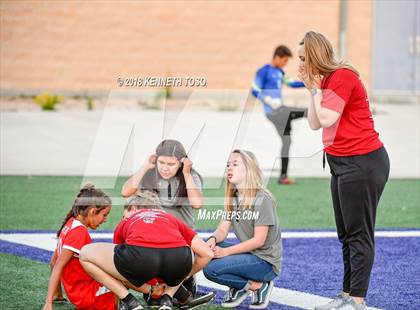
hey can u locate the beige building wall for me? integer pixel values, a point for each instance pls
(359, 37)
(71, 45)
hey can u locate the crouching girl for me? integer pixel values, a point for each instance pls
(154, 244)
(250, 266)
(90, 209)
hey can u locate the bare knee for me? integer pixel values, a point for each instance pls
(84, 253)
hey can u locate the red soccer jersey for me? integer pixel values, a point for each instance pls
(81, 289)
(354, 132)
(154, 229)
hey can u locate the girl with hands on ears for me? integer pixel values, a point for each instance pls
(170, 174)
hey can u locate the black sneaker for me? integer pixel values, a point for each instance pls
(191, 285)
(182, 296)
(153, 302)
(133, 304)
(198, 301)
(166, 303)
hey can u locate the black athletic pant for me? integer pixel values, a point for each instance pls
(281, 119)
(357, 183)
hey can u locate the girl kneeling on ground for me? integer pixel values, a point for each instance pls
(90, 209)
(155, 245)
(250, 266)
(183, 298)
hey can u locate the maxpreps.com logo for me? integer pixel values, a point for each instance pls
(227, 215)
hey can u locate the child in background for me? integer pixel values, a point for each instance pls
(267, 87)
(90, 209)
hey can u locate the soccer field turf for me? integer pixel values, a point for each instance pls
(24, 284)
(312, 269)
(40, 203)
(29, 203)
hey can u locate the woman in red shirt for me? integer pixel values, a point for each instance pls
(358, 161)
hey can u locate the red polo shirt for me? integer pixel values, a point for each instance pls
(354, 132)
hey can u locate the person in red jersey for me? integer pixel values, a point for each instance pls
(358, 161)
(152, 245)
(90, 209)
(170, 173)
(184, 297)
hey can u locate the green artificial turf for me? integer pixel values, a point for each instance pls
(41, 202)
(24, 285)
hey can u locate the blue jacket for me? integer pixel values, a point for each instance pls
(267, 86)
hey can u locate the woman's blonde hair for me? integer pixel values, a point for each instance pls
(319, 56)
(253, 182)
(143, 200)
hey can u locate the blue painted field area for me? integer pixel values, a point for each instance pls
(313, 265)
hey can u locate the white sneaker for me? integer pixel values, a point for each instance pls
(234, 298)
(350, 304)
(336, 302)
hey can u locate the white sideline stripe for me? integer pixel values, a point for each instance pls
(47, 241)
(43, 241)
(331, 234)
(279, 295)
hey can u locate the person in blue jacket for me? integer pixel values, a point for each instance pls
(267, 88)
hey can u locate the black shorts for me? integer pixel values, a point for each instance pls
(140, 264)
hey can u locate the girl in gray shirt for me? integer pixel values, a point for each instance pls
(169, 173)
(250, 210)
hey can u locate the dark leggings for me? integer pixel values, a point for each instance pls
(281, 119)
(357, 183)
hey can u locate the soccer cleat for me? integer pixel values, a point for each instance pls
(153, 303)
(133, 304)
(261, 297)
(198, 301)
(336, 302)
(234, 297)
(166, 302)
(286, 181)
(191, 285)
(350, 304)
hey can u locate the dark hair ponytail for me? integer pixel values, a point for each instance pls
(88, 197)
